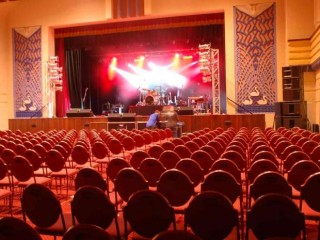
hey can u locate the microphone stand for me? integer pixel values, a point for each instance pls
(239, 105)
(84, 98)
(40, 110)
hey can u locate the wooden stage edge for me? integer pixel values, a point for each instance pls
(191, 122)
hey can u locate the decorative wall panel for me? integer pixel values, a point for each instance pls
(27, 72)
(255, 57)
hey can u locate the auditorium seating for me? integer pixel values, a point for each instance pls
(247, 155)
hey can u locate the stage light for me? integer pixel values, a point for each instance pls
(176, 61)
(205, 61)
(139, 61)
(187, 57)
(57, 82)
(205, 70)
(204, 46)
(112, 67)
(204, 54)
(52, 64)
(53, 58)
(56, 77)
(58, 89)
(54, 73)
(54, 81)
(206, 79)
(133, 79)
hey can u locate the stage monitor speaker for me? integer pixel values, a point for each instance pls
(121, 117)
(184, 110)
(167, 108)
(79, 113)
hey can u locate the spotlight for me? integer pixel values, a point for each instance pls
(53, 58)
(206, 79)
(205, 61)
(187, 57)
(204, 46)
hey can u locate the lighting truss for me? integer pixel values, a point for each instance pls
(209, 67)
(216, 106)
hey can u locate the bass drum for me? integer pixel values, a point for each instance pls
(149, 100)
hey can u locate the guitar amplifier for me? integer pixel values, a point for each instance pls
(184, 110)
(79, 113)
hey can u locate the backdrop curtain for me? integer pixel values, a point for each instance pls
(74, 75)
(62, 97)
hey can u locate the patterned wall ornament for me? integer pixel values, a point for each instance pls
(255, 57)
(27, 71)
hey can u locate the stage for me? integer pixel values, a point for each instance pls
(191, 122)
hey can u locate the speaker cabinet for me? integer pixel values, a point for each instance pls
(79, 113)
(293, 95)
(290, 108)
(290, 122)
(184, 110)
(291, 83)
(292, 71)
(121, 117)
(315, 128)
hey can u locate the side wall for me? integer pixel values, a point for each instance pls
(6, 85)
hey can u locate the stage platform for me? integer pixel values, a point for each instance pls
(191, 122)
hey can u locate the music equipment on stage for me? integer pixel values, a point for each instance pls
(149, 100)
(121, 120)
(79, 113)
(184, 110)
(121, 117)
(197, 99)
(144, 110)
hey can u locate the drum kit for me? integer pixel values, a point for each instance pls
(156, 96)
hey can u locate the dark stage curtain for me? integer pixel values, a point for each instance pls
(62, 98)
(76, 84)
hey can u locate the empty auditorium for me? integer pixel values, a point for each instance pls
(160, 120)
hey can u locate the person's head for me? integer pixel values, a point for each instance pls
(157, 111)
